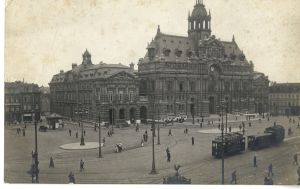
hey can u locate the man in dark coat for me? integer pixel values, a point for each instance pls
(270, 170)
(51, 164)
(81, 165)
(170, 132)
(193, 141)
(71, 178)
(254, 161)
(70, 132)
(295, 159)
(23, 132)
(168, 154)
(233, 177)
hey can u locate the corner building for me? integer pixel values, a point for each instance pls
(193, 74)
(108, 90)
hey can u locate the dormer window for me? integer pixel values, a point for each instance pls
(166, 52)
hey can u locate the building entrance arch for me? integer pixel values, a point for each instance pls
(143, 114)
(132, 113)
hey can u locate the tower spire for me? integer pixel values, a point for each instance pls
(233, 38)
(158, 29)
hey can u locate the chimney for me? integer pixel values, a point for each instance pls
(132, 66)
(74, 66)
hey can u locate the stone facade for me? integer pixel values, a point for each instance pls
(193, 74)
(285, 98)
(106, 90)
(22, 102)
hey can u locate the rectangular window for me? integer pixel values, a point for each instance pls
(121, 96)
(110, 96)
(131, 96)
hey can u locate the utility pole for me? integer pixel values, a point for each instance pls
(100, 154)
(36, 155)
(222, 129)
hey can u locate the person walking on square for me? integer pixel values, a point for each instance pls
(170, 132)
(25, 126)
(254, 161)
(193, 141)
(95, 127)
(168, 154)
(295, 159)
(187, 131)
(81, 165)
(233, 177)
(51, 164)
(84, 132)
(103, 141)
(249, 124)
(76, 134)
(23, 132)
(270, 170)
(70, 132)
(230, 129)
(71, 178)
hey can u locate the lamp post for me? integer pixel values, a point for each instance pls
(158, 136)
(36, 155)
(100, 153)
(153, 171)
(80, 112)
(222, 129)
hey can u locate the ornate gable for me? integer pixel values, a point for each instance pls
(122, 76)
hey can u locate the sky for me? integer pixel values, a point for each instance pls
(43, 37)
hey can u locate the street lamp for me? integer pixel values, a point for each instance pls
(153, 171)
(222, 106)
(100, 154)
(80, 112)
(158, 136)
(36, 155)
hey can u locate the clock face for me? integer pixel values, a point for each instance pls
(212, 68)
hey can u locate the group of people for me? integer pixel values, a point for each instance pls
(19, 131)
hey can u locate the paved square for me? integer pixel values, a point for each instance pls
(133, 165)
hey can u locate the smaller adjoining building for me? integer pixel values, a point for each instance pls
(284, 99)
(22, 102)
(89, 90)
(261, 92)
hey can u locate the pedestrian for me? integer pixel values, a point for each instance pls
(70, 132)
(289, 131)
(95, 127)
(168, 154)
(295, 159)
(81, 165)
(298, 172)
(142, 143)
(71, 178)
(233, 177)
(219, 126)
(23, 132)
(144, 137)
(51, 164)
(76, 134)
(84, 132)
(193, 141)
(254, 161)
(103, 141)
(25, 126)
(249, 124)
(201, 125)
(230, 129)
(170, 132)
(187, 131)
(108, 133)
(270, 170)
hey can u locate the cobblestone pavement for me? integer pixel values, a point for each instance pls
(133, 165)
